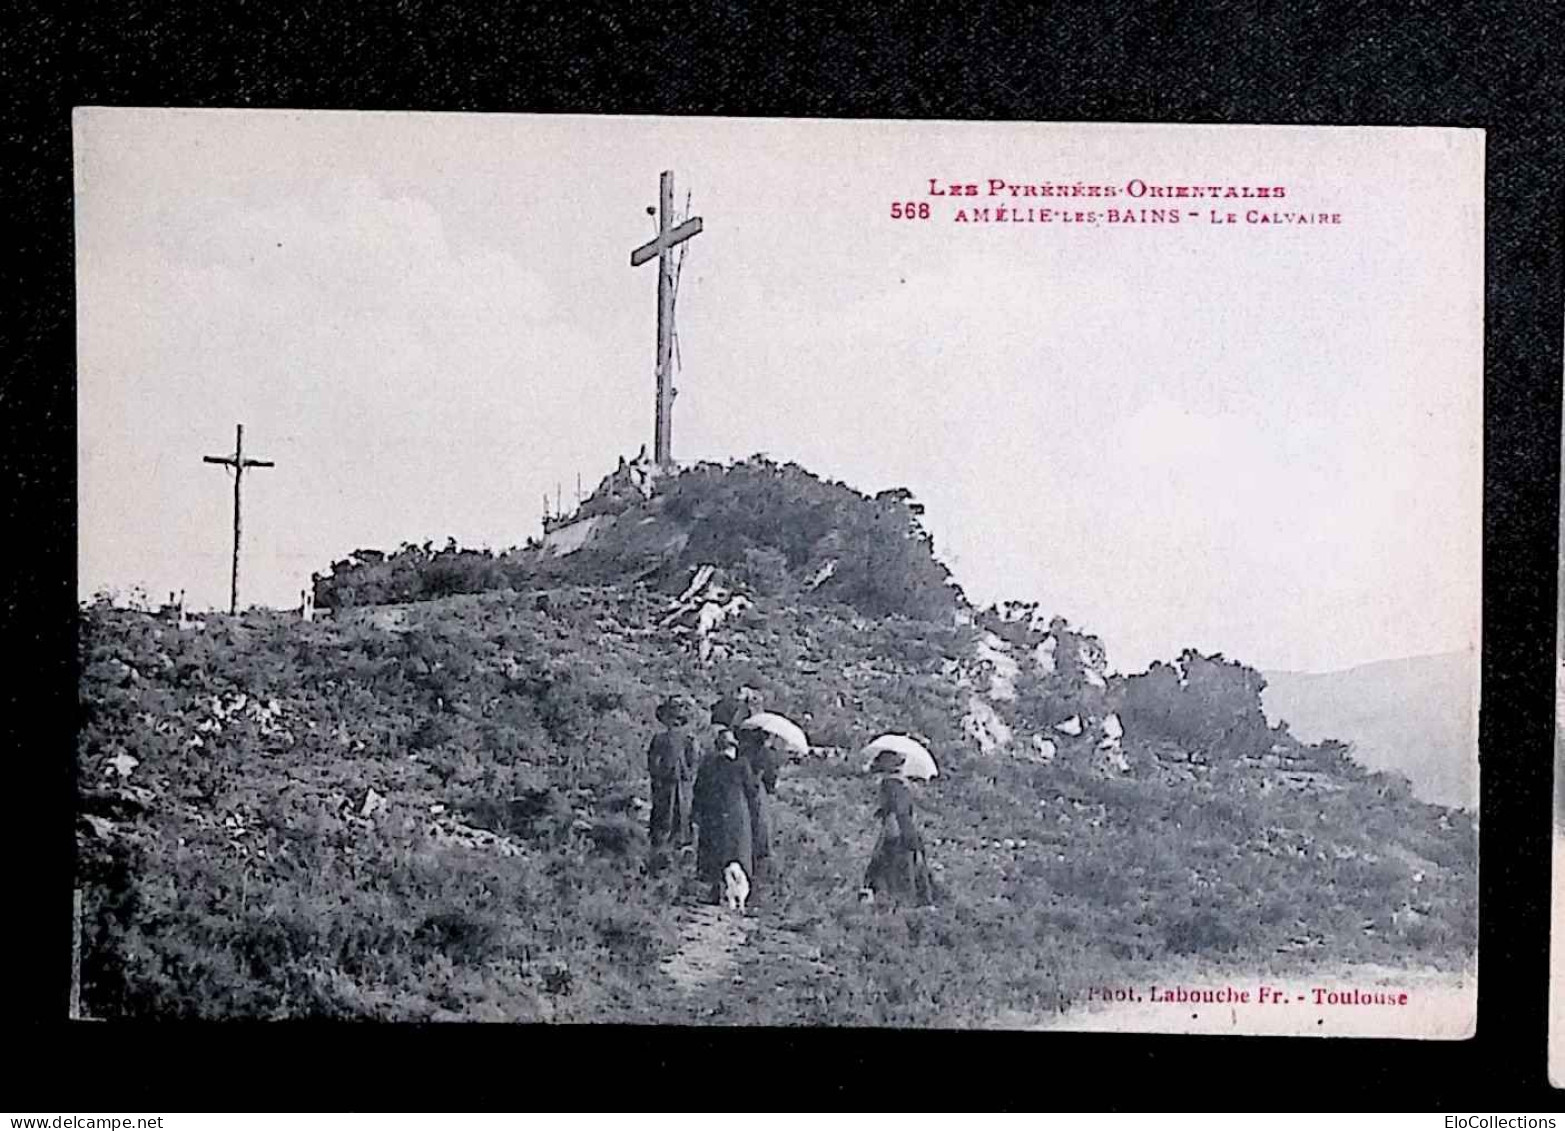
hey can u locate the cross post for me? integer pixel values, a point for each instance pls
(662, 246)
(238, 462)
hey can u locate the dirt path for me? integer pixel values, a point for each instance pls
(718, 946)
(783, 948)
(710, 939)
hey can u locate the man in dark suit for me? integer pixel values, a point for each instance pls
(671, 761)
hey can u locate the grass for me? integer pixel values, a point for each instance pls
(234, 872)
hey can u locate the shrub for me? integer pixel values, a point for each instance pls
(1202, 932)
(617, 835)
(1204, 702)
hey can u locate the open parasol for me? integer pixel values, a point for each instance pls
(901, 756)
(785, 730)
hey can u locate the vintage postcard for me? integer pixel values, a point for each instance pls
(779, 572)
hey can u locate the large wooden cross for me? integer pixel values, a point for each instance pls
(669, 236)
(238, 462)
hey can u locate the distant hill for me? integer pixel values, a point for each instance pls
(1412, 716)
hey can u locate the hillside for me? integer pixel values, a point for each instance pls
(430, 802)
(436, 811)
(1412, 717)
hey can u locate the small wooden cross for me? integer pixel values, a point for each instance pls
(238, 462)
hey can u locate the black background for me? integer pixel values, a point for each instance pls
(1486, 65)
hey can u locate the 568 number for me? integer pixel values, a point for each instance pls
(910, 209)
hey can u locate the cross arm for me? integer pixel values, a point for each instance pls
(664, 240)
(259, 463)
(229, 460)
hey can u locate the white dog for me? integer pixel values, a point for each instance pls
(736, 886)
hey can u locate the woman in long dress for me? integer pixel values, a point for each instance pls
(756, 750)
(898, 869)
(724, 796)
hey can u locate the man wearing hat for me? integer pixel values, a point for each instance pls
(671, 761)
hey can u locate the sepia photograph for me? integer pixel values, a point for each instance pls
(778, 572)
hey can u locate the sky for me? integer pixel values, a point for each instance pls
(1259, 440)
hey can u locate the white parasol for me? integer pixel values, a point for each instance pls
(786, 730)
(902, 756)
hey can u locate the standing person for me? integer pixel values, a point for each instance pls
(757, 752)
(724, 792)
(754, 748)
(757, 747)
(898, 868)
(732, 710)
(671, 762)
(729, 711)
